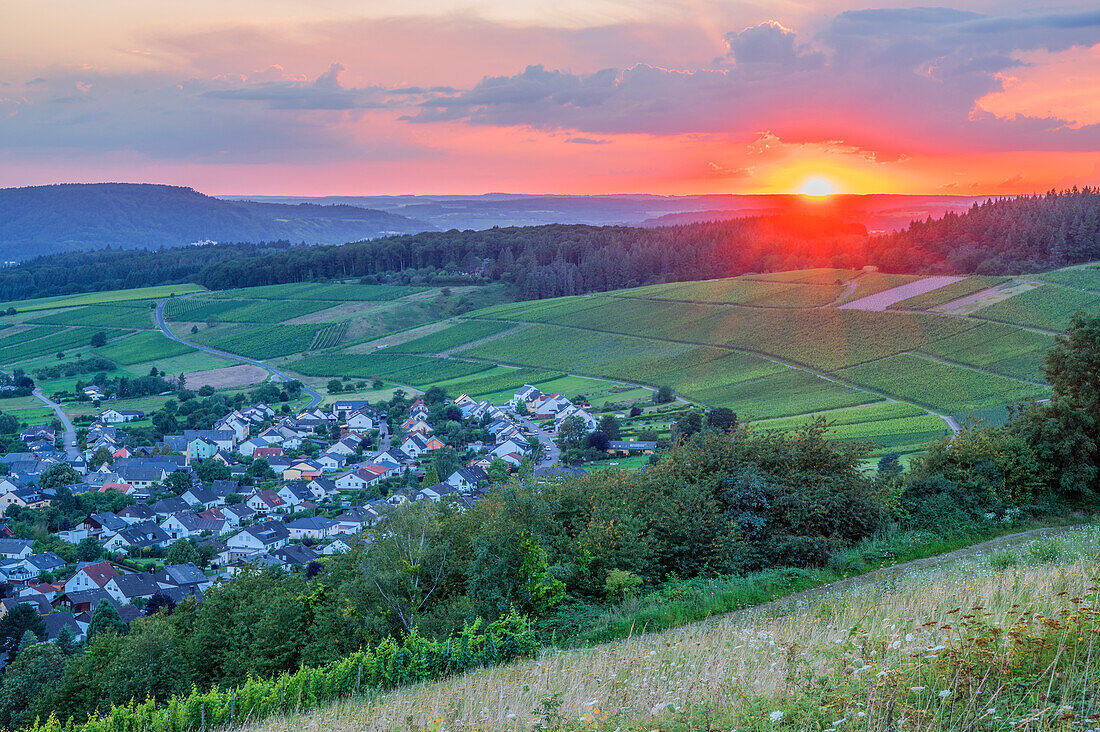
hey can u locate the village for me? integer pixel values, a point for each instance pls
(259, 490)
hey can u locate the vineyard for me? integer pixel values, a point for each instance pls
(109, 316)
(137, 297)
(1049, 307)
(239, 311)
(455, 335)
(751, 293)
(61, 341)
(941, 386)
(147, 346)
(330, 336)
(332, 292)
(269, 341)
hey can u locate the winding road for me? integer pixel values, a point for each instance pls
(315, 397)
(550, 451)
(70, 432)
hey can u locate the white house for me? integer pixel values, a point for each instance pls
(313, 527)
(360, 421)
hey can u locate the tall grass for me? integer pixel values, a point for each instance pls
(679, 602)
(967, 644)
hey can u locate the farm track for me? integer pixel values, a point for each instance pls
(315, 397)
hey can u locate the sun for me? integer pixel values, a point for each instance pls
(817, 187)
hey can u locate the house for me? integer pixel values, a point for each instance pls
(95, 393)
(347, 406)
(199, 449)
(549, 406)
(235, 422)
(336, 546)
(268, 536)
(331, 461)
(90, 576)
(238, 513)
(418, 409)
(302, 470)
(295, 554)
(295, 494)
(188, 524)
(55, 622)
(591, 424)
(125, 588)
(314, 527)
(166, 507)
(141, 476)
(135, 538)
(265, 501)
(322, 487)
(354, 519)
(414, 445)
(183, 575)
(117, 416)
(223, 439)
(466, 479)
(83, 601)
(435, 492)
(347, 446)
(626, 447)
(104, 524)
(416, 424)
(360, 421)
(525, 395)
(136, 514)
(267, 452)
(16, 548)
(205, 497)
(394, 457)
(355, 480)
(39, 564)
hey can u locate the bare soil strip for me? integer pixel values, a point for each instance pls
(881, 300)
(227, 378)
(972, 303)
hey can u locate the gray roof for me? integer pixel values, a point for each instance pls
(184, 574)
(312, 523)
(139, 584)
(296, 554)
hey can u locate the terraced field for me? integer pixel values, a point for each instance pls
(776, 346)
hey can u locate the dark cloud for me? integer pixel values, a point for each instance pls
(886, 82)
(587, 141)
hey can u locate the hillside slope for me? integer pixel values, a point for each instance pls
(805, 662)
(58, 218)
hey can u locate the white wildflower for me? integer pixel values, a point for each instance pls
(775, 716)
(945, 693)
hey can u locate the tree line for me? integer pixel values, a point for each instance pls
(1006, 236)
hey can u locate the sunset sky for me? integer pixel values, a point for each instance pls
(554, 96)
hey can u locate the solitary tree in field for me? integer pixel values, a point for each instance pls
(663, 395)
(99, 340)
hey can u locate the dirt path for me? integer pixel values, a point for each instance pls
(881, 300)
(972, 303)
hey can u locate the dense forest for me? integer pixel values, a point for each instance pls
(1008, 236)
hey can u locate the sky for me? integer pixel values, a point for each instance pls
(354, 97)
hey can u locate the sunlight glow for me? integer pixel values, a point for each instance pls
(817, 186)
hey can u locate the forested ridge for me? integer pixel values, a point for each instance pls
(1005, 236)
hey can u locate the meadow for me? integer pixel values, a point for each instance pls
(1048, 307)
(57, 342)
(141, 347)
(980, 639)
(107, 296)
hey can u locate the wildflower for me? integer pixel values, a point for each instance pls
(945, 693)
(839, 722)
(775, 716)
(917, 688)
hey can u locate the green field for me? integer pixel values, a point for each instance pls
(195, 309)
(147, 346)
(1083, 278)
(1048, 307)
(94, 298)
(736, 291)
(336, 292)
(454, 336)
(109, 316)
(58, 342)
(268, 341)
(952, 389)
(997, 347)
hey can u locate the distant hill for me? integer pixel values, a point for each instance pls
(60, 218)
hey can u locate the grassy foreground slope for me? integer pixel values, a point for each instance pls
(980, 639)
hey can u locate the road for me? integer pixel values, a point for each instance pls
(315, 397)
(70, 432)
(550, 451)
